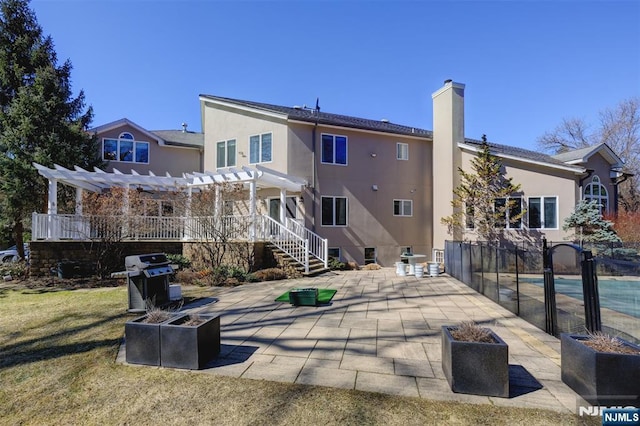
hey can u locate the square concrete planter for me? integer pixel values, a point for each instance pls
(475, 368)
(601, 378)
(303, 296)
(142, 341)
(189, 347)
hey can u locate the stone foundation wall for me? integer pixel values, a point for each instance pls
(247, 256)
(45, 255)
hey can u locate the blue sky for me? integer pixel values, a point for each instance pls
(526, 64)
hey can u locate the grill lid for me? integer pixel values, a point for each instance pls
(141, 262)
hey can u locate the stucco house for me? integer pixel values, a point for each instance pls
(371, 189)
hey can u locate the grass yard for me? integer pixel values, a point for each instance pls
(57, 366)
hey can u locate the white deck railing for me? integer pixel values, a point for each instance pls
(293, 238)
(318, 246)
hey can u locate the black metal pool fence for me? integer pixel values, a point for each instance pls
(513, 277)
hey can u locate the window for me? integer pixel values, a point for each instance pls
(260, 148)
(334, 252)
(543, 212)
(595, 191)
(227, 207)
(468, 217)
(403, 207)
(507, 209)
(125, 149)
(334, 149)
(226, 153)
(402, 151)
(369, 255)
(334, 211)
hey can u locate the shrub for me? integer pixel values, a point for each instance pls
(336, 265)
(371, 267)
(602, 342)
(188, 277)
(182, 261)
(15, 269)
(270, 274)
(469, 331)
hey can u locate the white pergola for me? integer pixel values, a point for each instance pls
(99, 180)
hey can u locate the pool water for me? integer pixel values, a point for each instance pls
(619, 295)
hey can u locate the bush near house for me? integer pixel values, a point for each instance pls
(627, 225)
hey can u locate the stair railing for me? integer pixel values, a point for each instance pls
(286, 240)
(318, 246)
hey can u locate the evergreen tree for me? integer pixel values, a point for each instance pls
(478, 200)
(40, 120)
(589, 225)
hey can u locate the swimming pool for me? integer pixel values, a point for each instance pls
(619, 295)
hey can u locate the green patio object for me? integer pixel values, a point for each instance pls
(324, 296)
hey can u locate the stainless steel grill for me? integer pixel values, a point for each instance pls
(147, 280)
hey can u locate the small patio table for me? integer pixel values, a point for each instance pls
(413, 259)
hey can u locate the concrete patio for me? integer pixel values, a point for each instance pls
(380, 333)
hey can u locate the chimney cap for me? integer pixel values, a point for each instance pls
(447, 81)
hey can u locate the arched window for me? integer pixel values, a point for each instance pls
(597, 192)
(125, 149)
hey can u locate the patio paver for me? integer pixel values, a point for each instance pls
(380, 333)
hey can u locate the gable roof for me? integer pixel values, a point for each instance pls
(582, 155)
(309, 115)
(522, 154)
(181, 138)
(125, 122)
(164, 137)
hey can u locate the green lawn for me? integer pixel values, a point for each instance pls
(57, 366)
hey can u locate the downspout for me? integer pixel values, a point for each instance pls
(617, 182)
(316, 111)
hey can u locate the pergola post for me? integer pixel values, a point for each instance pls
(252, 209)
(283, 205)
(52, 209)
(189, 222)
(79, 201)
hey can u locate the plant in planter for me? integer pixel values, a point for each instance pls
(189, 341)
(475, 360)
(604, 370)
(142, 335)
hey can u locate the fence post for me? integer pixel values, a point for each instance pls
(590, 293)
(550, 314)
(517, 285)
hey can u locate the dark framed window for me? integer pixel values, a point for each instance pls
(334, 211)
(403, 208)
(334, 149)
(543, 212)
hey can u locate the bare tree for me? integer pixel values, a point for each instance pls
(619, 128)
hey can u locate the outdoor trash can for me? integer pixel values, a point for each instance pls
(303, 296)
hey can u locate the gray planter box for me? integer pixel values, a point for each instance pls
(189, 347)
(142, 342)
(303, 296)
(476, 368)
(604, 379)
